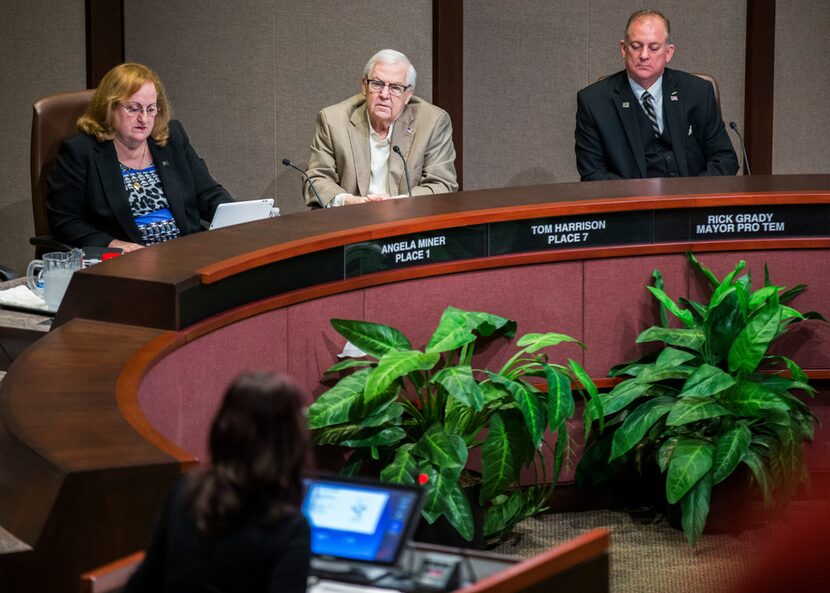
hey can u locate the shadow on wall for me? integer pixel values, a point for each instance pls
(289, 190)
(16, 227)
(532, 176)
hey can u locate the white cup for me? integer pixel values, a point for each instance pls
(49, 277)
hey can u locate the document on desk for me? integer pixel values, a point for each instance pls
(335, 587)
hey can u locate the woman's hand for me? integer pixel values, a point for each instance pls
(124, 246)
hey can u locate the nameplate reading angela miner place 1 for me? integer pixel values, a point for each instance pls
(416, 249)
(570, 232)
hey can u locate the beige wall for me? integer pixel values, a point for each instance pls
(525, 60)
(247, 78)
(41, 52)
(802, 87)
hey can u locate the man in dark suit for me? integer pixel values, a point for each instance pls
(649, 120)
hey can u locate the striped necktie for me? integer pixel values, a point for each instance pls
(652, 116)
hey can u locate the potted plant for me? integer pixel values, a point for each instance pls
(711, 398)
(418, 414)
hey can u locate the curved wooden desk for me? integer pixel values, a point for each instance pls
(99, 417)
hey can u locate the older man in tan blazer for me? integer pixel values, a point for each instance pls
(352, 153)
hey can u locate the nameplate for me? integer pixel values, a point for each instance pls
(416, 249)
(570, 232)
(748, 222)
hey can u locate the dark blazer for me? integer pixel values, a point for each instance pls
(608, 143)
(247, 557)
(87, 203)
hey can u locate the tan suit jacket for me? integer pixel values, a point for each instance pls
(339, 160)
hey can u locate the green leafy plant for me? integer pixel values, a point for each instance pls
(421, 412)
(711, 398)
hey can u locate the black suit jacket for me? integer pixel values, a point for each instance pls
(608, 143)
(246, 557)
(88, 204)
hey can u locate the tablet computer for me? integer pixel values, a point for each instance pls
(232, 213)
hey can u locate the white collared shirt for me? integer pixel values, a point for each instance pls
(379, 151)
(656, 91)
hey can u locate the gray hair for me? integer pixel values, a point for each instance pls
(391, 56)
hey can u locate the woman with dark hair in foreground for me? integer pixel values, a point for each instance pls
(236, 525)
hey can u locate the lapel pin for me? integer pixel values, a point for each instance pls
(690, 130)
(164, 163)
(673, 97)
(408, 130)
(625, 105)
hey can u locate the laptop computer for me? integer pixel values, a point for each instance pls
(359, 528)
(232, 213)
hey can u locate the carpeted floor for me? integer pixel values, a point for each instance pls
(649, 557)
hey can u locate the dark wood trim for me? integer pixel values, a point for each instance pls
(760, 84)
(104, 38)
(448, 69)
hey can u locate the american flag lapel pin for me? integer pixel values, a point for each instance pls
(625, 105)
(673, 96)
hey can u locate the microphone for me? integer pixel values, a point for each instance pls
(734, 127)
(397, 150)
(288, 163)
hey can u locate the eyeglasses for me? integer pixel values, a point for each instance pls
(396, 90)
(133, 109)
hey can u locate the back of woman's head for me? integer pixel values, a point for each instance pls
(260, 447)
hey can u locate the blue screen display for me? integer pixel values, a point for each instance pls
(357, 521)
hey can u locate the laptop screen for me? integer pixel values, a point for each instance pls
(360, 521)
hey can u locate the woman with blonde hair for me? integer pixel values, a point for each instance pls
(130, 177)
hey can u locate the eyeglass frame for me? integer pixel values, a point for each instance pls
(390, 85)
(134, 110)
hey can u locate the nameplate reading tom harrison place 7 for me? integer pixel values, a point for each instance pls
(569, 232)
(416, 249)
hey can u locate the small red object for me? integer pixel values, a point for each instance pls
(423, 479)
(109, 255)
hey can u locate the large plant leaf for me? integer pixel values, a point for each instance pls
(713, 280)
(665, 452)
(350, 363)
(695, 509)
(394, 365)
(335, 435)
(385, 437)
(758, 298)
(342, 403)
(561, 404)
(755, 462)
(722, 325)
(638, 422)
(529, 404)
(749, 398)
(374, 339)
(730, 449)
(694, 409)
(654, 374)
(533, 342)
(752, 343)
(386, 414)
(403, 468)
(706, 381)
(458, 512)
(593, 405)
(440, 482)
(726, 287)
(623, 394)
(691, 460)
(456, 328)
(441, 448)
(672, 357)
(691, 338)
(498, 467)
(657, 277)
(503, 512)
(682, 314)
(461, 385)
